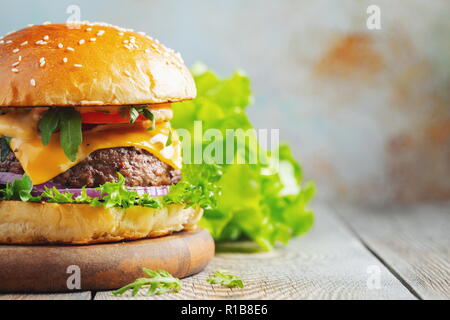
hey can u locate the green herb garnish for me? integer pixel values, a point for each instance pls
(49, 124)
(71, 136)
(68, 120)
(134, 114)
(136, 111)
(158, 282)
(4, 147)
(19, 189)
(149, 115)
(169, 139)
(224, 278)
(123, 112)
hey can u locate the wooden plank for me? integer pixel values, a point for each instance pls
(327, 263)
(86, 295)
(102, 266)
(414, 241)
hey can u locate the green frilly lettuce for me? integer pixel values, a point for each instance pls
(248, 201)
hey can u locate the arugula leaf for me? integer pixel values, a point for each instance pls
(134, 114)
(169, 139)
(4, 146)
(70, 135)
(158, 282)
(149, 115)
(49, 124)
(68, 120)
(224, 278)
(123, 112)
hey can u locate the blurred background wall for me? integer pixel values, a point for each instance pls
(367, 112)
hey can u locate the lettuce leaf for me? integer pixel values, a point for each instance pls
(249, 201)
(117, 195)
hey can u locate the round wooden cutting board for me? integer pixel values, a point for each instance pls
(50, 268)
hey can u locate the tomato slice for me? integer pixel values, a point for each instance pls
(100, 117)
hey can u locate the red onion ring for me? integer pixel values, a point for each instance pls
(154, 191)
(6, 177)
(157, 191)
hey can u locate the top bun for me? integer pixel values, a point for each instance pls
(89, 64)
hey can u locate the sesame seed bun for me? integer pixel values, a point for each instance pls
(33, 223)
(89, 64)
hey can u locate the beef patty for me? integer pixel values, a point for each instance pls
(139, 167)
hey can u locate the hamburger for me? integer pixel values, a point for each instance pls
(87, 151)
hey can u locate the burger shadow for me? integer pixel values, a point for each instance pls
(237, 247)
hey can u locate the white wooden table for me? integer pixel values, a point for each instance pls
(351, 253)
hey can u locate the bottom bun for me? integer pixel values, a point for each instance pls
(32, 223)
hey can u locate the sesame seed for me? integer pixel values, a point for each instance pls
(42, 62)
(121, 33)
(142, 33)
(46, 38)
(77, 65)
(60, 45)
(65, 60)
(30, 25)
(24, 43)
(127, 73)
(147, 50)
(126, 41)
(81, 42)
(46, 22)
(15, 70)
(88, 29)
(70, 49)
(15, 64)
(15, 50)
(8, 41)
(19, 58)
(93, 39)
(100, 33)
(2, 41)
(33, 82)
(41, 42)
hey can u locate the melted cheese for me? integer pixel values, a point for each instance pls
(21, 124)
(43, 163)
(18, 123)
